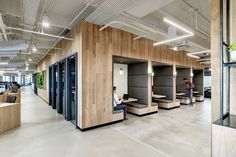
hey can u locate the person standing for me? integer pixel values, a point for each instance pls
(118, 105)
(188, 89)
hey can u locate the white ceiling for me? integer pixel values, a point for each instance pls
(143, 18)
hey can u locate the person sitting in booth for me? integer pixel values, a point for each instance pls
(117, 103)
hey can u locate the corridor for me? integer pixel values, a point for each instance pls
(180, 132)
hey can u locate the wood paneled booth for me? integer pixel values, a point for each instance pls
(95, 51)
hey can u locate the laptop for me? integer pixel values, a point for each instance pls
(126, 96)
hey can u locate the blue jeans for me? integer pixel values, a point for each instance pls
(189, 95)
(122, 107)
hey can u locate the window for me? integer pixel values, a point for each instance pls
(207, 81)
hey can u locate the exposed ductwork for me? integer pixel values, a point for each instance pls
(12, 46)
(39, 33)
(2, 27)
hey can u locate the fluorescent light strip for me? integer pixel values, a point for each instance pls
(204, 59)
(3, 63)
(172, 39)
(200, 52)
(193, 56)
(178, 26)
(175, 38)
(208, 62)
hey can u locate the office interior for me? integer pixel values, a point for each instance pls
(59, 62)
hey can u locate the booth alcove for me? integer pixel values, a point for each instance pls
(181, 73)
(163, 86)
(198, 81)
(137, 85)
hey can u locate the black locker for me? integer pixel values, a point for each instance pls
(71, 89)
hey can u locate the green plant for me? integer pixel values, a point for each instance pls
(40, 80)
(232, 46)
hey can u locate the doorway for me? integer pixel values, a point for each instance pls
(71, 69)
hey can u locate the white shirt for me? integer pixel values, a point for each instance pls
(116, 100)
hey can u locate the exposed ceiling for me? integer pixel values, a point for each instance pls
(21, 22)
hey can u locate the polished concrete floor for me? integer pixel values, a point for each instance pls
(182, 132)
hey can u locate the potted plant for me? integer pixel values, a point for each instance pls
(232, 49)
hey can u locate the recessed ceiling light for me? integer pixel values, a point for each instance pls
(34, 48)
(121, 71)
(30, 59)
(174, 48)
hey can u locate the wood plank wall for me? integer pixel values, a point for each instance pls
(215, 47)
(97, 50)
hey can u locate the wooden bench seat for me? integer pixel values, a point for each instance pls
(167, 104)
(141, 109)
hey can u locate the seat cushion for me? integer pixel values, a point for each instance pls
(165, 100)
(11, 99)
(182, 97)
(197, 95)
(137, 105)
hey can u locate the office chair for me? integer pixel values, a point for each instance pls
(11, 99)
(14, 89)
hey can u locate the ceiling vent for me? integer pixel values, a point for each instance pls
(183, 45)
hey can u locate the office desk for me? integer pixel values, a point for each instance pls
(10, 116)
(158, 96)
(130, 100)
(180, 94)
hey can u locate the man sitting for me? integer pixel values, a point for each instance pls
(118, 105)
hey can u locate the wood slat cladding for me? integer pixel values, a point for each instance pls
(96, 49)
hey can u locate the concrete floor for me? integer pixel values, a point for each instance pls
(182, 132)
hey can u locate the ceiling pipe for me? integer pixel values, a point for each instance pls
(127, 15)
(69, 26)
(198, 28)
(122, 23)
(139, 37)
(39, 33)
(3, 26)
